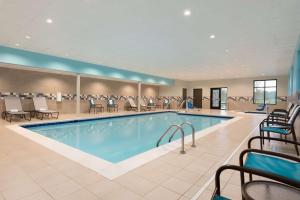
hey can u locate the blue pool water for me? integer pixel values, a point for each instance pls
(116, 139)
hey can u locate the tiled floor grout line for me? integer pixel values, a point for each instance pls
(169, 161)
(198, 194)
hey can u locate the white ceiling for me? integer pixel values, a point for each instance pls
(153, 36)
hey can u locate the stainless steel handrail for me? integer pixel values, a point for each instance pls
(167, 131)
(193, 133)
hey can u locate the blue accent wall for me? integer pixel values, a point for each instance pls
(42, 61)
(294, 73)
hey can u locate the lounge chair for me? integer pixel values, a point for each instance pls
(112, 105)
(280, 127)
(166, 104)
(41, 108)
(267, 164)
(132, 104)
(151, 105)
(144, 105)
(13, 108)
(281, 114)
(261, 107)
(95, 106)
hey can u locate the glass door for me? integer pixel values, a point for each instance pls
(215, 98)
(224, 98)
(218, 98)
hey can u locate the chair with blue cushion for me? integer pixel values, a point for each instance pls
(112, 105)
(261, 107)
(282, 114)
(280, 127)
(272, 165)
(95, 106)
(277, 164)
(242, 169)
(166, 104)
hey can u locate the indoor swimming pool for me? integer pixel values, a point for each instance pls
(115, 139)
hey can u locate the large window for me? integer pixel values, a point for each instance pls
(265, 91)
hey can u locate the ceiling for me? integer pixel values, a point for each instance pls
(252, 38)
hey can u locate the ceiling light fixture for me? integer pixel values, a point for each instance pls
(226, 50)
(17, 44)
(212, 36)
(27, 37)
(187, 13)
(49, 21)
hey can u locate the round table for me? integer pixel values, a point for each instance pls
(261, 190)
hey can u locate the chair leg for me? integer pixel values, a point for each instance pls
(261, 141)
(295, 139)
(285, 137)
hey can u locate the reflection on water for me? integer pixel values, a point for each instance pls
(116, 139)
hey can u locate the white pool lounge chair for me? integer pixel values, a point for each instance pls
(132, 104)
(41, 108)
(143, 104)
(13, 108)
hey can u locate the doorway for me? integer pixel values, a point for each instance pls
(197, 97)
(218, 98)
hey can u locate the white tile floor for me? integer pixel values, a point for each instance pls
(29, 171)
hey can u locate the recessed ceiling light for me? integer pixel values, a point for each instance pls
(187, 13)
(226, 50)
(212, 36)
(263, 74)
(27, 37)
(49, 21)
(17, 44)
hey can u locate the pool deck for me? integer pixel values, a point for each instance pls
(29, 171)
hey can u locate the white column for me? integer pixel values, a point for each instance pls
(78, 94)
(139, 95)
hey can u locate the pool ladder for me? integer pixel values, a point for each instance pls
(178, 127)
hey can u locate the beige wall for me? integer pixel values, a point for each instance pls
(174, 90)
(12, 80)
(24, 81)
(107, 87)
(236, 88)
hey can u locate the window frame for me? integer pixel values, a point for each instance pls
(264, 87)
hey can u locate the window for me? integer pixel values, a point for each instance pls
(265, 91)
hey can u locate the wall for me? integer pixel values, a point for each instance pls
(121, 91)
(240, 91)
(29, 83)
(43, 61)
(294, 83)
(294, 74)
(174, 90)
(22, 82)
